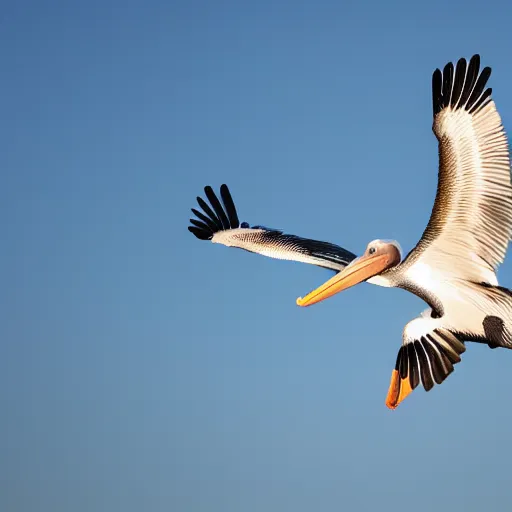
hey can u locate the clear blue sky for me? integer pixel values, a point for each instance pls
(141, 369)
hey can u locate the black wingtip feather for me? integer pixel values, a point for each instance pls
(414, 378)
(200, 225)
(229, 205)
(199, 233)
(438, 371)
(447, 84)
(462, 88)
(426, 377)
(214, 201)
(460, 71)
(404, 362)
(437, 91)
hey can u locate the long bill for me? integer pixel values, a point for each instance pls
(359, 270)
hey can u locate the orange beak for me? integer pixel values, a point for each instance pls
(359, 270)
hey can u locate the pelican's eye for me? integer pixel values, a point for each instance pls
(371, 250)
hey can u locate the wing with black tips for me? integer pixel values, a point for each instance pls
(471, 222)
(219, 222)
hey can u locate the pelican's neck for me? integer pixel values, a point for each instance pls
(381, 280)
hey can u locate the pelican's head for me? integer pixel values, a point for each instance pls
(380, 255)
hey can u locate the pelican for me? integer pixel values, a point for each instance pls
(453, 266)
(221, 226)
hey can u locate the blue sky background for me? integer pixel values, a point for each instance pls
(141, 369)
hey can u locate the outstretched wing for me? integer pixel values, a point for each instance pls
(220, 224)
(471, 222)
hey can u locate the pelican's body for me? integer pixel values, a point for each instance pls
(453, 266)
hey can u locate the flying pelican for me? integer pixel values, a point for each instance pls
(453, 266)
(221, 226)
